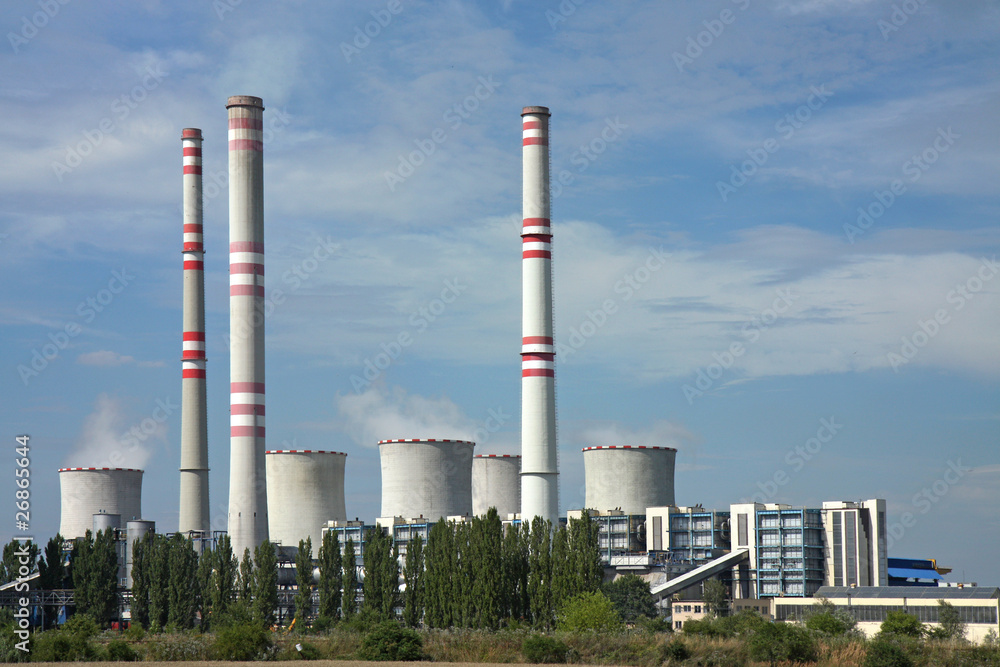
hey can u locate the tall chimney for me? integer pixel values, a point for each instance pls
(247, 484)
(539, 468)
(194, 507)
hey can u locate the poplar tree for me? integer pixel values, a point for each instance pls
(224, 578)
(51, 574)
(381, 584)
(182, 564)
(158, 573)
(303, 576)
(413, 576)
(244, 586)
(141, 552)
(331, 577)
(563, 575)
(349, 603)
(206, 566)
(265, 583)
(488, 579)
(437, 577)
(586, 549)
(540, 573)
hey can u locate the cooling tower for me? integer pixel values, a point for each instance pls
(539, 466)
(426, 478)
(305, 489)
(496, 482)
(89, 491)
(194, 403)
(629, 478)
(247, 485)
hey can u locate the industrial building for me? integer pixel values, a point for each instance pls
(88, 491)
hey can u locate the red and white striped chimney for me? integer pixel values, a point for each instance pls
(194, 506)
(247, 484)
(539, 466)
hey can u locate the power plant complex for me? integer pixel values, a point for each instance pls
(768, 554)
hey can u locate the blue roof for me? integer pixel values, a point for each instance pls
(911, 573)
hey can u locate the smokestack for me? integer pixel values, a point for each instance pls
(539, 469)
(247, 483)
(194, 508)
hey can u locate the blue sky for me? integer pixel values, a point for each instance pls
(717, 287)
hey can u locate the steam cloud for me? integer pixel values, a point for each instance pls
(107, 440)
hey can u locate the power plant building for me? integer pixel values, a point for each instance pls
(427, 479)
(305, 490)
(496, 482)
(85, 492)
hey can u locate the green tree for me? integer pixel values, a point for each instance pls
(782, 642)
(413, 576)
(899, 623)
(265, 584)
(564, 572)
(350, 578)
(183, 586)
(589, 612)
(206, 568)
(95, 576)
(331, 577)
(140, 579)
(487, 582)
(540, 573)
(224, 578)
(438, 602)
(303, 576)
(514, 564)
(586, 553)
(52, 574)
(157, 575)
(18, 554)
(464, 570)
(381, 584)
(244, 587)
(951, 624)
(716, 597)
(631, 598)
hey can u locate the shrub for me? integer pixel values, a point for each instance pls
(390, 641)
(9, 639)
(589, 611)
(676, 650)
(540, 649)
(322, 624)
(244, 642)
(300, 651)
(899, 623)
(631, 598)
(166, 648)
(883, 653)
(827, 623)
(120, 651)
(70, 643)
(653, 625)
(782, 642)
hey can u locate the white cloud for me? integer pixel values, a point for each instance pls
(108, 440)
(104, 358)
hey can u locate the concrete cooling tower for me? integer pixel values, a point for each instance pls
(426, 478)
(629, 478)
(496, 482)
(89, 491)
(305, 489)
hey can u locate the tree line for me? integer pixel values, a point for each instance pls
(472, 574)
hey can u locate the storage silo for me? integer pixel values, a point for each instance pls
(89, 491)
(104, 521)
(426, 478)
(496, 482)
(305, 489)
(629, 477)
(134, 531)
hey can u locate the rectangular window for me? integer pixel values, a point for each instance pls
(838, 557)
(742, 530)
(697, 609)
(851, 548)
(657, 533)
